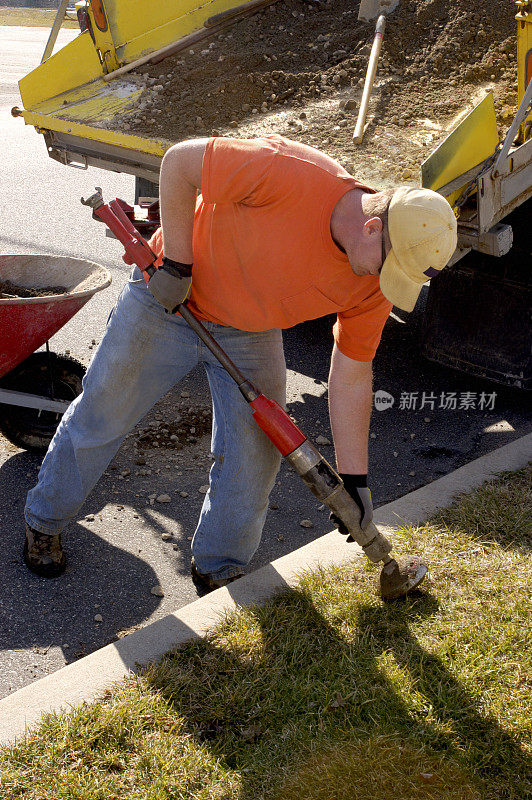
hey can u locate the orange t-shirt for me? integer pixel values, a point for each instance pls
(264, 256)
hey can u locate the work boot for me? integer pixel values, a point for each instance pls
(43, 553)
(206, 583)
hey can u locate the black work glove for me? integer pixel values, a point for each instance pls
(357, 487)
(170, 284)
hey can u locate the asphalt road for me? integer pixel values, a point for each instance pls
(115, 547)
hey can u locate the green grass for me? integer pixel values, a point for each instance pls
(32, 17)
(325, 693)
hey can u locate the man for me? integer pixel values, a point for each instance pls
(280, 234)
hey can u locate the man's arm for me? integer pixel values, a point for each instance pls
(180, 180)
(350, 402)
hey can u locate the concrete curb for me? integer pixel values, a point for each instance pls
(87, 679)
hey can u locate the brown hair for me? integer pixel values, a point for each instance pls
(377, 205)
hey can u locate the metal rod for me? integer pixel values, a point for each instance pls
(50, 373)
(238, 11)
(215, 26)
(58, 21)
(14, 398)
(520, 115)
(249, 391)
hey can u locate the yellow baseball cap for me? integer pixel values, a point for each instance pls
(422, 229)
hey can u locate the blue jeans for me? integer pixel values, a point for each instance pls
(143, 354)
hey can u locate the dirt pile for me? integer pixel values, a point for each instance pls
(185, 428)
(9, 289)
(298, 70)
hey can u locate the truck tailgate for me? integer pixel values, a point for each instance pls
(77, 102)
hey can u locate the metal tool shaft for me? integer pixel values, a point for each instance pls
(249, 391)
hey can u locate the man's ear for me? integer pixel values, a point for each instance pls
(373, 226)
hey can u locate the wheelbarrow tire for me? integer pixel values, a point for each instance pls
(27, 427)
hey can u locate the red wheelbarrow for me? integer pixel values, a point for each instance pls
(37, 388)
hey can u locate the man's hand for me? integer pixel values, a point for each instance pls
(170, 284)
(357, 487)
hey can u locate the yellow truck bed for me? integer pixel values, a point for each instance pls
(86, 99)
(74, 96)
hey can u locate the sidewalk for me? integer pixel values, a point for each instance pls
(86, 679)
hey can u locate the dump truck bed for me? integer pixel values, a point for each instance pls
(78, 96)
(293, 70)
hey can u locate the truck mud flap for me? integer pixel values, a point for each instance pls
(478, 314)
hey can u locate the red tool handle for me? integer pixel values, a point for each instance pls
(136, 247)
(277, 425)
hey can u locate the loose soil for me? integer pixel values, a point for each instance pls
(8, 289)
(299, 70)
(185, 428)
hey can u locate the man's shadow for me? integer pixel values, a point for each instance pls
(340, 701)
(100, 579)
